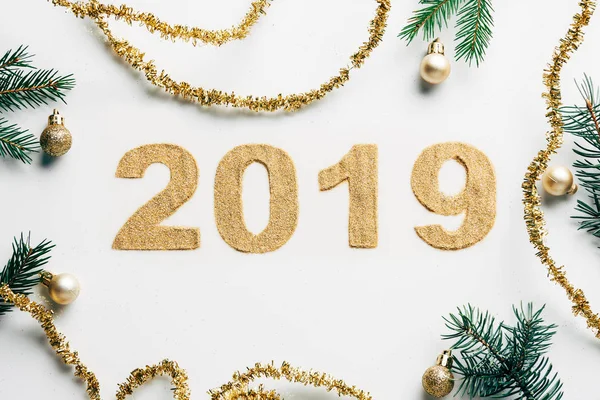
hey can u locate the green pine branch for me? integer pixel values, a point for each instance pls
(584, 122)
(15, 59)
(30, 89)
(430, 19)
(500, 361)
(22, 271)
(16, 142)
(24, 86)
(474, 34)
(474, 25)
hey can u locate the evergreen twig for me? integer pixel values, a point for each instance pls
(29, 89)
(431, 18)
(474, 25)
(584, 122)
(24, 86)
(474, 34)
(500, 361)
(22, 271)
(15, 59)
(16, 142)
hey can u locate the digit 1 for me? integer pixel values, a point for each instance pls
(359, 168)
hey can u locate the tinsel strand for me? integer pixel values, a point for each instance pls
(98, 12)
(237, 388)
(534, 217)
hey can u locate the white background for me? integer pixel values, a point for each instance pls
(371, 317)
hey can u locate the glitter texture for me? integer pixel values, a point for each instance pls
(142, 231)
(56, 140)
(358, 167)
(438, 381)
(534, 217)
(229, 208)
(98, 12)
(477, 200)
(237, 388)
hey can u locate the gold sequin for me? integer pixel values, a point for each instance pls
(237, 388)
(477, 200)
(534, 217)
(98, 12)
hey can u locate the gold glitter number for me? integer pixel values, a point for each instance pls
(359, 168)
(477, 200)
(141, 231)
(229, 212)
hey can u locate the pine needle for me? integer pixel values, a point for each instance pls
(584, 121)
(430, 19)
(22, 271)
(16, 142)
(30, 89)
(474, 25)
(500, 361)
(474, 34)
(15, 59)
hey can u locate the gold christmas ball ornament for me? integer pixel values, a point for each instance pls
(558, 181)
(56, 140)
(63, 288)
(438, 381)
(435, 67)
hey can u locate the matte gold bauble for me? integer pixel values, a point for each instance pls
(435, 67)
(438, 381)
(63, 288)
(558, 181)
(56, 140)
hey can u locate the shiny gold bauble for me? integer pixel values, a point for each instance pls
(63, 288)
(558, 181)
(438, 381)
(56, 140)
(435, 67)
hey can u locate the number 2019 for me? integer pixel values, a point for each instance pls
(359, 168)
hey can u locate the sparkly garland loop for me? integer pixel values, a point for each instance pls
(98, 12)
(238, 388)
(534, 217)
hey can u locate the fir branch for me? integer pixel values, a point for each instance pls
(474, 25)
(16, 142)
(15, 59)
(531, 336)
(24, 89)
(22, 272)
(431, 18)
(474, 33)
(500, 361)
(584, 122)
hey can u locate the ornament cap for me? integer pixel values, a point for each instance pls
(445, 359)
(436, 47)
(46, 278)
(573, 189)
(56, 118)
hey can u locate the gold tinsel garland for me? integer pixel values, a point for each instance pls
(534, 217)
(238, 388)
(98, 12)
